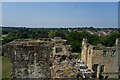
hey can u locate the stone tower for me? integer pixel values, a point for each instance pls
(84, 50)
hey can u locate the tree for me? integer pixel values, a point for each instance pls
(94, 39)
(74, 40)
(52, 34)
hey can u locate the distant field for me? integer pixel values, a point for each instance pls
(6, 67)
(28, 39)
(4, 35)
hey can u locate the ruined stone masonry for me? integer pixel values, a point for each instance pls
(104, 61)
(44, 58)
(65, 63)
(30, 58)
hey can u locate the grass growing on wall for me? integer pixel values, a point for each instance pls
(6, 67)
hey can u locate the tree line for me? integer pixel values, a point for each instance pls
(74, 38)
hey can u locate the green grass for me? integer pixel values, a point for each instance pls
(79, 55)
(0, 67)
(6, 67)
(3, 36)
(28, 39)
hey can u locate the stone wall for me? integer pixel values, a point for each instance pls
(30, 59)
(66, 64)
(104, 61)
(45, 58)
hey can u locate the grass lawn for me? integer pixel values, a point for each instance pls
(4, 35)
(6, 67)
(79, 55)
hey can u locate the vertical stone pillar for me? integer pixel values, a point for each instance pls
(98, 71)
(84, 50)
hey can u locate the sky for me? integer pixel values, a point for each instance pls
(60, 14)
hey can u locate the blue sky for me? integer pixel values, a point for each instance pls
(60, 14)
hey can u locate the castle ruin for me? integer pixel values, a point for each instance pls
(44, 58)
(30, 58)
(65, 63)
(104, 61)
(52, 58)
